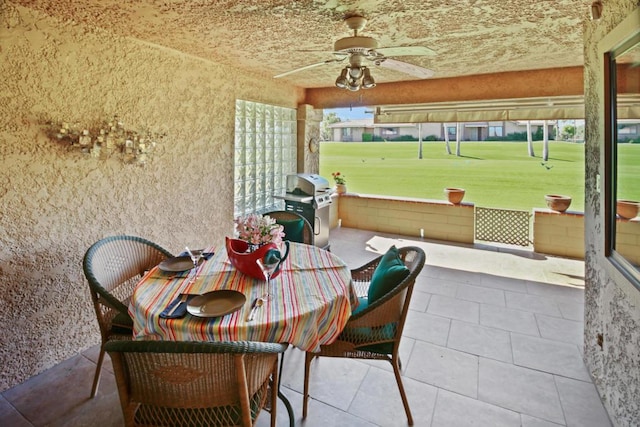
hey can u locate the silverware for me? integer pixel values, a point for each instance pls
(183, 299)
(257, 303)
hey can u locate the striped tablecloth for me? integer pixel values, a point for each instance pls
(311, 301)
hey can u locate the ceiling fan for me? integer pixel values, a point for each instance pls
(360, 49)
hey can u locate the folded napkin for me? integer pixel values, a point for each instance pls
(181, 311)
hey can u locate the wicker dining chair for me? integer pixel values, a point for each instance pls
(375, 328)
(113, 266)
(296, 227)
(174, 383)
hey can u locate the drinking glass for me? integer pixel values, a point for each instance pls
(195, 255)
(268, 266)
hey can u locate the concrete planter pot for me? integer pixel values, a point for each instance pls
(341, 188)
(454, 195)
(557, 202)
(627, 209)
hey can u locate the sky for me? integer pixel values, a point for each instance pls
(354, 113)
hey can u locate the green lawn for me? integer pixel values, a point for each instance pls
(494, 174)
(629, 171)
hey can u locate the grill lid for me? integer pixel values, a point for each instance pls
(304, 184)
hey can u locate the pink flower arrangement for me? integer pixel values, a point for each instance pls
(259, 230)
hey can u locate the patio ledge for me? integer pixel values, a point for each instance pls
(405, 199)
(545, 211)
(426, 218)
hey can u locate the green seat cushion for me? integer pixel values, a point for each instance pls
(293, 229)
(387, 275)
(363, 334)
(382, 348)
(122, 322)
(363, 303)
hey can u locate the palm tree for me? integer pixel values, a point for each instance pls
(446, 137)
(530, 140)
(545, 138)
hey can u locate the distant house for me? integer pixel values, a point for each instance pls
(628, 130)
(365, 130)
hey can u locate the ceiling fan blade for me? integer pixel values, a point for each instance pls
(405, 67)
(406, 51)
(306, 67)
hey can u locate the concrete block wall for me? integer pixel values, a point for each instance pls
(439, 220)
(554, 233)
(557, 233)
(333, 211)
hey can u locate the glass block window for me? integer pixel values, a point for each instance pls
(265, 152)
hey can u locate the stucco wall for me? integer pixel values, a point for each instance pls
(55, 203)
(612, 303)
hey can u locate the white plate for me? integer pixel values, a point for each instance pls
(216, 303)
(177, 264)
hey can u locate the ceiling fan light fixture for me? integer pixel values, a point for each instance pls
(354, 85)
(355, 72)
(355, 77)
(367, 80)
(341, 81)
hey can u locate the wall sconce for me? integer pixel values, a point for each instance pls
(354, 77)
(108, 139)
(596, 10)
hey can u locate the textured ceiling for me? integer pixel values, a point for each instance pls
(274, 36)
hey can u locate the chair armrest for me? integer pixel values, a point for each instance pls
(365, 272)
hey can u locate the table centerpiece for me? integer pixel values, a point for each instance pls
(257, 244)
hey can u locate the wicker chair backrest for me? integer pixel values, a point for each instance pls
(193, 383)
(113, 265)
(307, 231)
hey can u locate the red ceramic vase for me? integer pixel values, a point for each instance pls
(247, 262)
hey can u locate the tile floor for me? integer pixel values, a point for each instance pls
(493, 338)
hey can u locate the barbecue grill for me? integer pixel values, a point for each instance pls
(310, 196)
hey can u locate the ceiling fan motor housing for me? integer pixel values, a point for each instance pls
(356, 43)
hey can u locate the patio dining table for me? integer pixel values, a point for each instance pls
(309, 302)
